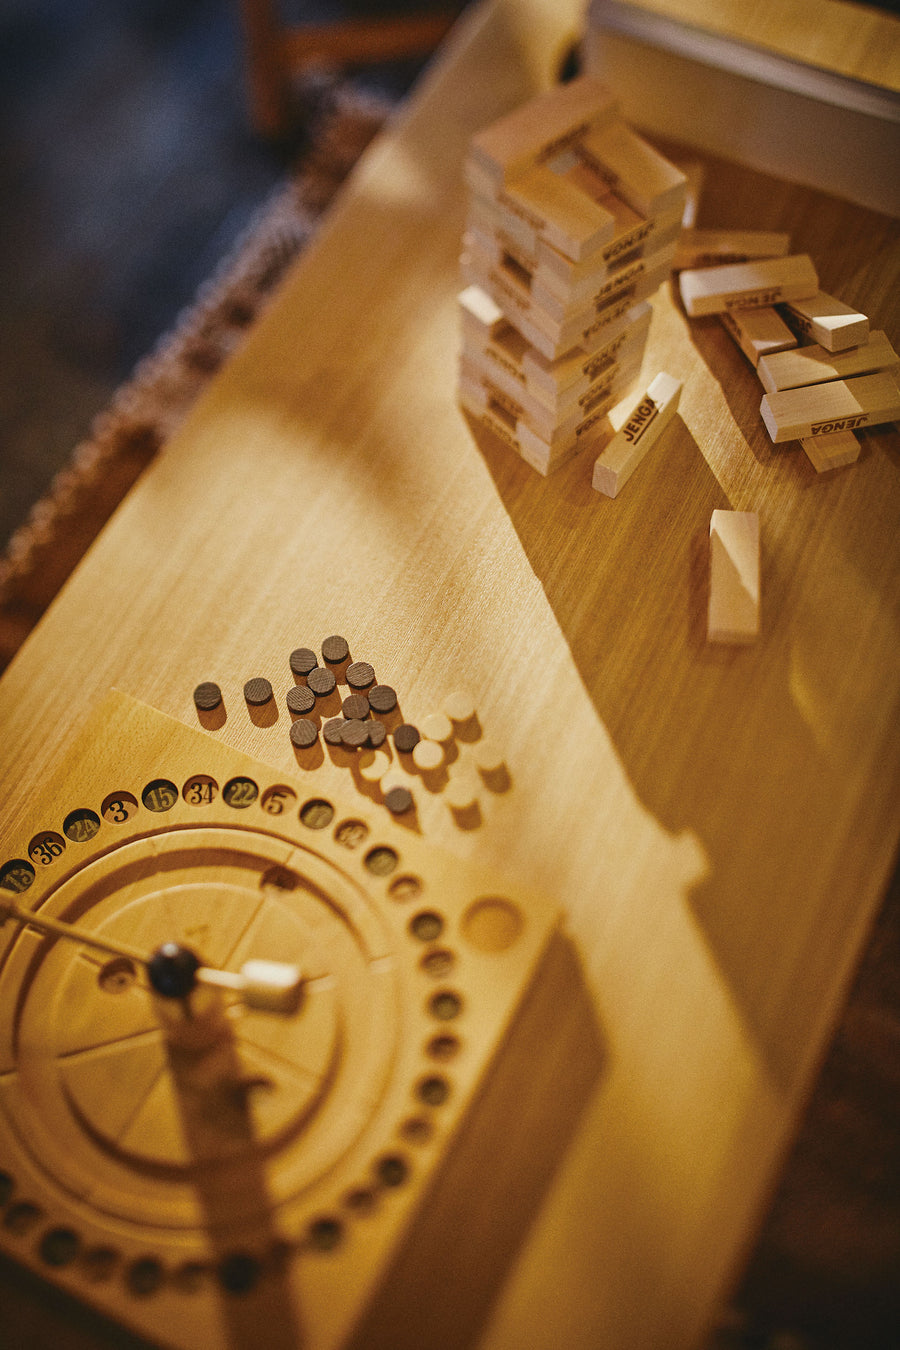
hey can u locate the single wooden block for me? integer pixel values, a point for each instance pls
(839, 405)
(541, 127)
(733, 614)
(758, 332)
(823, 319)
(564, 277)
(485, 312)
(832, 451)
(713, 290)
(562, 212)
(642, 429)
(815, 365)
(712, 248)
(631, 167)
(597, 291)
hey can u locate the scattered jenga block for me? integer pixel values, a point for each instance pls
(733, 613)
(541, 127)
(814, 365)
(633, 170)
(645, 424)
(840, 405)
(695, 173)
(712, 248)
(758, 332)
(713, 290)
(823, 319)
(831, 451)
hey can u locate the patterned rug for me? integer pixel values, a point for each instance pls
(150, 407)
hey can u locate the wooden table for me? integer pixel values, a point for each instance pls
(718, 824)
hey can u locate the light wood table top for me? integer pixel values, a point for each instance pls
(718, 824)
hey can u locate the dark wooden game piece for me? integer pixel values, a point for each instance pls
(382, 698)
(303, 660)
(257, 691)
(321, 681)
(377, 733)
(398, 800)
(406, 737)
(331, 730)
(354, 734)
(360, 675)
(300, 699)
(355, 707)
(207, 696)
(335, 649)
(303, 733)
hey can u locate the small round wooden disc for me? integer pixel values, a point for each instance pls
(303, 733)
(459, 706)
(257, 691)
(335, 649)
(488, 757)
(354, 734)
(303, 660)
(207, 696)
(360, 675)
(377, 733)
(321, 681)
(460, 793)
(398, 799)
(331, 731)
(436, 727)
(300, 699)
(373, 765)
(355, 707)
(428, 755)
(406, 737)
(382, 698)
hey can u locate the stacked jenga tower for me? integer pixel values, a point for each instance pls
(573, 222)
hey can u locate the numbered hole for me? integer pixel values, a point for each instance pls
(117, 975)
(160, 795)
(239, 1272)
(45, 848)
(119, 807)
(81, 825)
(382, 861)
(404, 889)
(201, 790)
(351, 833)
(433, 1091)
(438, 964)
(316, 814)
(276, 800)
(426, 926)
(445, 1005)
(16, 875)
(325, 1234)
(417, 1130)
(443, 1047)
(493, 924)
(145, 1276)
(59, 1247)
(392, 1170)
(361, 1200)
(240, 793)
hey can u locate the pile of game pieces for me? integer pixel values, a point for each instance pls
(573, 222)
(825, 374)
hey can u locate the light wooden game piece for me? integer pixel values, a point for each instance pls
(428, 755)
(373, 765)
(634, 235)
(636, 172)
(578, 369)
(436, 727)
(710, 248)
(815, 365)
(561, 211)
(712, 290)
(828, 321)
(733, 614)
(482, 309)
(461, 793)
(541, 127)
(831, 451)
(647, 421)
(459, 706)
(758, 332)
(695, 174)
(840, 405)
(488, 756)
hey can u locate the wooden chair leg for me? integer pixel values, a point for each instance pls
(267, 73)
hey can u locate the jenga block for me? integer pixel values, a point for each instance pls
(634, 237)
(542, 127)
(713, 290)
(695, 173)
(645, 424)
(831, 451)
(733, 614)
(479, 306)
(841, 405)
(712, 248)
(560, 210)
(587, 294)
(633, 170)
(823, 319)
(510, 230)
(814, 365)
(758, 332)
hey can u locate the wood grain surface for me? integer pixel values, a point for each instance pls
(718, 824)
